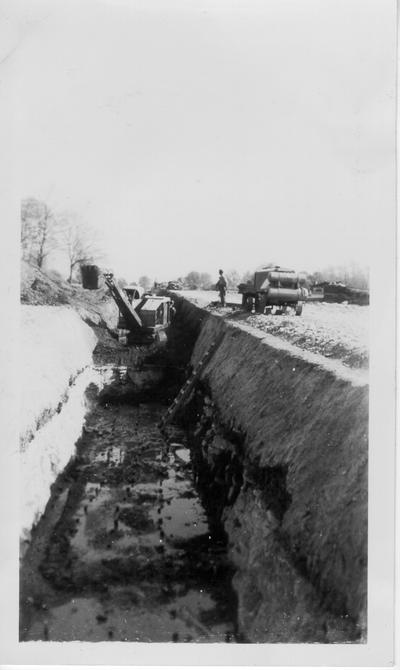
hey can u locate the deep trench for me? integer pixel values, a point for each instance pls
(129, 547)
(173, 533)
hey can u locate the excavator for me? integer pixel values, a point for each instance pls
(143, 318)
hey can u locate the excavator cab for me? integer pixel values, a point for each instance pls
(155, 313)
(142, 320)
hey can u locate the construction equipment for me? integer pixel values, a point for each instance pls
(142, 319)
(174, 286)
(133, 292)
(335, 291)
(191, 381)
(273, 290)
(316, 294)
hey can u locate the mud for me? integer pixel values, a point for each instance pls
(284, 447)
(280, 599)
(125, 549)
(246, 521)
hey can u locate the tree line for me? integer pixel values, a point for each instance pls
(351, 275)
(204, 281)
(201, 280)
(45, 231)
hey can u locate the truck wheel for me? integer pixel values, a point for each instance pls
(247, 303)
(299, 309)
(260, 304)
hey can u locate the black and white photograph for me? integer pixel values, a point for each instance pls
(202, 272)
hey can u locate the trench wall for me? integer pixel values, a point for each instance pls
(56, 357)
(305, 416)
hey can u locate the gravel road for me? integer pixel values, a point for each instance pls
(337, 331)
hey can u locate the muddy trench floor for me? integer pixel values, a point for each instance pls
(125, 550)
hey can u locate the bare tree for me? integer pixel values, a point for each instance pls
(247, 277)
(39, 231)
(192, 280)
(30, 212)
(205, 280)
(352, 275)
(79, 242)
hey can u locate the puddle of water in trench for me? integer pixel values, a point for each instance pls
(133, 557)
(92, 620)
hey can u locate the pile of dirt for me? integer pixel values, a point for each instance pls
(95, 307)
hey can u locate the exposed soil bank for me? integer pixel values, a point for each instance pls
(282, 440)
(96, 308)
(56, 368)
(337, 331)
(56, 345)
(278, 440)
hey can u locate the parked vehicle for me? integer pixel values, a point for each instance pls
(273, 290)
(316, 293)
(339, 292)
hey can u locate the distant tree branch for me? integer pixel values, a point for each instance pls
(79, 243)
(39, 231)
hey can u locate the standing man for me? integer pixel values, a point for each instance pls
(221, 287)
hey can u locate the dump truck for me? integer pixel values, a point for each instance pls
(273, 290)
(143, 318)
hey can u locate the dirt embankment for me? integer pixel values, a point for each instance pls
(283, 434)
(337, 331)
(280, 439)
(96, 307)
(56, 354)
(56, 361)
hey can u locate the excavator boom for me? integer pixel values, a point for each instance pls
(132, 318)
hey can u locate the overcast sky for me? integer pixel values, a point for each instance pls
(199, 135)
